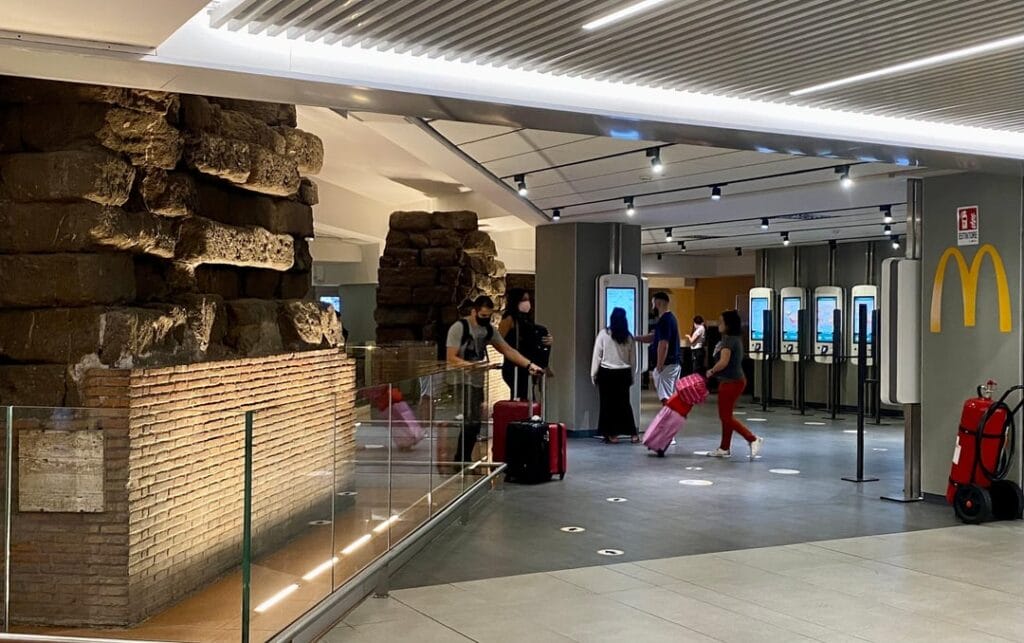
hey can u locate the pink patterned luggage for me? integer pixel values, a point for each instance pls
(693, 388)
(663, 428)
(406, 430)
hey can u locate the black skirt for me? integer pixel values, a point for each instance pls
(616, 410)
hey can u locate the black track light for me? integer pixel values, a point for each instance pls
(556, 215)
(844, 176)
(682, 246)
(764, 223)
(739, 252)
(659, 256)
(895, 242)
(630, 208)
(886, 211)
(887, 230)
(520, 180)
(716, 193)
(668, 235)
(654, 154)
(785, 238)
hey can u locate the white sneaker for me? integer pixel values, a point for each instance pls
(672, 443)
(719, 453)
(755, 447)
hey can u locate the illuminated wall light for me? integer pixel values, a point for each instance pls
(716, 193)
(321, 568)
(844, 176)
(886, 213)
(630, 208)
(384, 525)
(362, 540)
(556, 215)
(896, 242)
(764, 223)
(621, 14)
(520, 180)
(887, 230)
(668, 235)
(785, 238)
(655, 155)
(276, 598)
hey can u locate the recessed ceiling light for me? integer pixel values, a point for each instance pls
(929, 61)
(520, 180)
(621, 14)
(886, 213)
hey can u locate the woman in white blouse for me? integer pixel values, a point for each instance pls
(612, 370)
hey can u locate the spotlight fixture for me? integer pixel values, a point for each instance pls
(520, 180)
(785, 238)
(739, 252)
(716, 193)
(844, 176)
(654, 154)
(764, 223)
(668, 235)
(886, 213)
(887, 230)
(659, 256)
(682, 246)
(556, 215)
(896, 242)
(630, 208)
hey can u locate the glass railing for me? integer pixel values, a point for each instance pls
(114, 525)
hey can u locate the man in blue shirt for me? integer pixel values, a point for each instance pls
(666, 344)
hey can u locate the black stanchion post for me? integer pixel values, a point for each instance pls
(766, 363)
(862, 376)
(876, 368)
(837, 347)
(802, 349)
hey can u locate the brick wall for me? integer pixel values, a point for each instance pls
(173, 497)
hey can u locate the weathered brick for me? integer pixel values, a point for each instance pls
(84, 279)
(101, 177)
(202, 241)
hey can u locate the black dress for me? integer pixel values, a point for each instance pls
(616, 410)
(522, 337)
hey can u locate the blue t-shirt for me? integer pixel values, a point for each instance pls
(668, 330)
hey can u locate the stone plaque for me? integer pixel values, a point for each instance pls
(60, 471)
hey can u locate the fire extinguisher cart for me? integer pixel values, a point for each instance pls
(985, 445)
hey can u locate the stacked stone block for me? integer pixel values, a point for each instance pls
(432, 262)
(143, 228)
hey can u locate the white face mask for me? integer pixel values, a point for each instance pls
(524, 306)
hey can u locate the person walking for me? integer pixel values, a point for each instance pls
(731, 384)
(696, 339)
(612, 369)
(520, 332)
(666, 342)
(466, 344)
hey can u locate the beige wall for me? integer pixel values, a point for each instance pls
(713, 295)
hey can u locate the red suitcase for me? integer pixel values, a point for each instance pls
(559, 436)
(505, 412)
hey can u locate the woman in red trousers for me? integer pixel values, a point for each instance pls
(728, 369)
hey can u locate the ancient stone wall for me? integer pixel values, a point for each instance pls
(142, 228)
(432, 262)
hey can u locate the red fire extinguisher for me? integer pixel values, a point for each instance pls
(985, 443)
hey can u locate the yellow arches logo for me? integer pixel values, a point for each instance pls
(969, 287)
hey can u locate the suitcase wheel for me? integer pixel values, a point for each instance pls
(1007, 500)
(561, 476)
(661, 453)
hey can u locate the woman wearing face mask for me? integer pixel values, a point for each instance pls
(519, 331)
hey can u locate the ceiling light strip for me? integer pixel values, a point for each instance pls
(929, 61)
(594, 159)
(622, 14)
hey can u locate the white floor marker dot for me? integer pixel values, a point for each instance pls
(319, 523)
(374, 446)
(617, 499)
(610, 552)
(694, 468)
(573, 530)
(696, 483)
(701, 452)
(814, 423)
(756, 420)
(879, 449)
(785, 472)
(854, 431)
(739, 412)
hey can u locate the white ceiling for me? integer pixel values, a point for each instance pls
(141, 23)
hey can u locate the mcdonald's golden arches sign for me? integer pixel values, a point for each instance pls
(969, 277)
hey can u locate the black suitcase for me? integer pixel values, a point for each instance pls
(527, 452)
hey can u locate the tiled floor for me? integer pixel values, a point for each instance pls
(951, 584)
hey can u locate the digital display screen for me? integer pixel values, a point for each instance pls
(790, 319)
(624, 298)
(824, 326)
(333, 301)
(757, 307)
(866, 300)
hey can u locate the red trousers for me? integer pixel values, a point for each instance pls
(729, 392)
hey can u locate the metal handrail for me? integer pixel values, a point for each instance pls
(47, 638)
(329, 611)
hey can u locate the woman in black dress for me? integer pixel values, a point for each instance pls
(612, 370)
(518, 329)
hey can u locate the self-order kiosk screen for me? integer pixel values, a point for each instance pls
(790, 319)
(825, 324)
(857, 303)
(624, 298)
(757, 307)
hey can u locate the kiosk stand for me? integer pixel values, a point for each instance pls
(760, 334)
(828, 345)
(791, 336)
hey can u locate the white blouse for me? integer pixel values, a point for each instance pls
(612, 355)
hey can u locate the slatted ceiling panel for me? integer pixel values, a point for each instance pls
(461, 133)
(760, 49)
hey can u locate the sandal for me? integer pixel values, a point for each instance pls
(635, 439)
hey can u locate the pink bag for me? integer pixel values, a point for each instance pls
(405, 428)
(663, 428)
(693, 389)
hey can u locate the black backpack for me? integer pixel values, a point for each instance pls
(467, 346)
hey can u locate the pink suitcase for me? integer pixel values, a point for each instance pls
(406, 431)
(663, 428)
